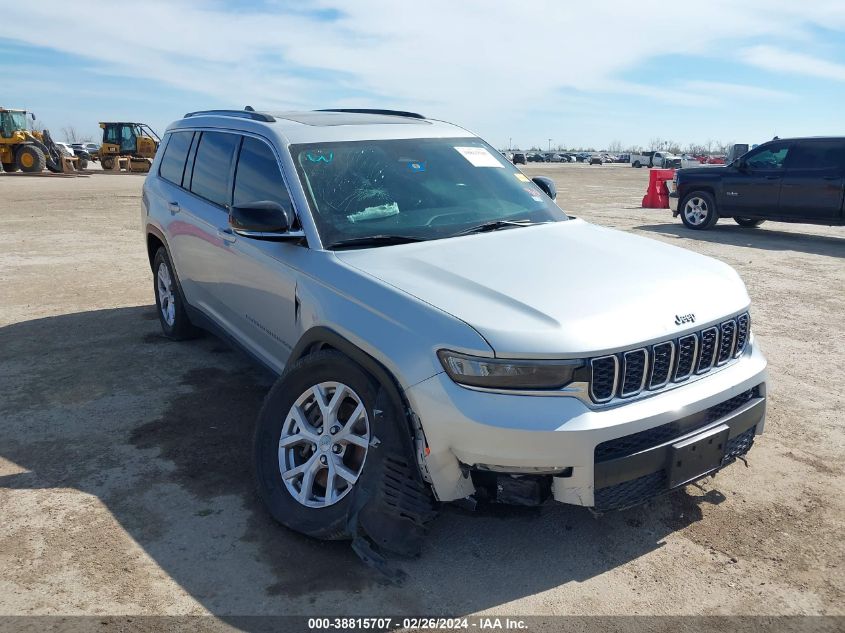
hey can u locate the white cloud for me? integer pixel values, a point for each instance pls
(781, 61)
(476, 61)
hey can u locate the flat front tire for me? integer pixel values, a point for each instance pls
(698, 211)
(330, 457)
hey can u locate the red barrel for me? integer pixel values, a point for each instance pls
(657, 194)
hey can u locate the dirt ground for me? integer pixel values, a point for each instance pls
(125, 481)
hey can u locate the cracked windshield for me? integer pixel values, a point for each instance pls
(415, 189)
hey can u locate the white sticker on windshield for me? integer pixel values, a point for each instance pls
(479, 157)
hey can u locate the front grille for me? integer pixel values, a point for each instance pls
(743, 327)
(633, 372)
(707, 358)
(727, 338)
(603, 382)
(687, 349)
(629, 373)
(636, 442)
(662, 358)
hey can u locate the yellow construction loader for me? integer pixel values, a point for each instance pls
(24, 149)
(135, 141)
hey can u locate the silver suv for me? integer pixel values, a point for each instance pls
(441, 329)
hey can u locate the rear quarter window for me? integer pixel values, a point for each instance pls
(173, 161)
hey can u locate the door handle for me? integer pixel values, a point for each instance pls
(174, 207)
(226, 235)
(772, 177)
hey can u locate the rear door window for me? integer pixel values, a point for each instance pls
(173, 161)
(212, 166)
(258, 177)
(817, 155)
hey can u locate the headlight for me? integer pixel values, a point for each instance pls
(494, 373)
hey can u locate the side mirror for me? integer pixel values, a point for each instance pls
(262, 220)
(547, 185)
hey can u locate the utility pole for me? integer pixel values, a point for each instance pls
(550, 144)
(510, 142)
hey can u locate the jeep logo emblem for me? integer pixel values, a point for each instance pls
(680, 319)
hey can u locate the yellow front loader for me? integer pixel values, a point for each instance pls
(135, 141)
(24, 149)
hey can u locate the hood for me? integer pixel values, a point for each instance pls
(712, 170)
(563, 289)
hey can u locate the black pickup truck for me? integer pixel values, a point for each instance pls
(786, 180)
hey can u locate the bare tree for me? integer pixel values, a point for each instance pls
(70, 134)
(615, 147)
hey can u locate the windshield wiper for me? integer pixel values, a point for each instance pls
(375, 240)
(495, 225)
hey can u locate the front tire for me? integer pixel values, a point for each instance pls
(30, 159)
(170, 302)
(698, 211)
(748, 223)
(333, 459)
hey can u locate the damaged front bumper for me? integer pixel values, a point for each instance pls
(604, 458)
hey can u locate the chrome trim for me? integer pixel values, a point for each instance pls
(671, 345)
(678, 377)
(261, 235)
(715, 354)
(615, 377)
(622, 393)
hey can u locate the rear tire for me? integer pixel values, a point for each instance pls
(170, 301)
(698, 211)
(360, 480)
(637, 164)
(748, 223)
(30, 159)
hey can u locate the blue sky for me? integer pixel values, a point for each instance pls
(582, 74)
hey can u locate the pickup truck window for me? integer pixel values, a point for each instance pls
(769, 157)
(817, 155)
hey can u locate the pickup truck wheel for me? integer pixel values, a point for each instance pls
(170, 302)
(331, 460)
(748, 223)
(698, 211)
(637, 164)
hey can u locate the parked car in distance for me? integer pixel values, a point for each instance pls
(69, 150)
(536, 158)
(92, 148)
(410, 373)
(655, 159)
(596, 159)
(519, 158)
(786, 180)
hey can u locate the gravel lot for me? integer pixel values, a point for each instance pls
(124, 458)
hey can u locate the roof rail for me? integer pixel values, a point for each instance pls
(410, 115)
(241, 114)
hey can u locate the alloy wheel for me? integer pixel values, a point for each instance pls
(324, 443)
(166, 295)
(696, 211)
